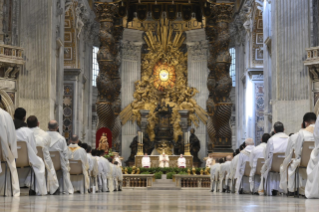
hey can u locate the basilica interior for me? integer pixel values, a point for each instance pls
(135, 77)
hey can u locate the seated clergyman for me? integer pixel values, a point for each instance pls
(9, 150)
(303, 135)
(78, 153)
(181, 162)
(224, 174)
(58, 143)
(257, 153)
(44, 140)
(163, 160)
(276, 144)
(146, 161)
(243, 158)
(214, 171)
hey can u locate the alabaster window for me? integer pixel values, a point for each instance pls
(95, 68)
(232, 70)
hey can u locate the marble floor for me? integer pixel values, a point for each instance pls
(150, 200)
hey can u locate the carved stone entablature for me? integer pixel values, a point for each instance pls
(131, 50)
(256, 74)
(312, 62)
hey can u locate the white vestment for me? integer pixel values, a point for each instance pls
(90, 161)
(224, 174)
(110, 176)
(115, 176)
(120, 178)
(78, 153)
(312, 185)
(303, 135)
(146, 162)
(44, 140)
(58, 143)
(104, 168)
(101, 177)
(276, 144)
(163, 161)
(209, 162)
(284, 166)
(214, 171)
(241, 165)
(9, 150)
(181, 162)
(25, 134)
(233, 167)
(258, 152)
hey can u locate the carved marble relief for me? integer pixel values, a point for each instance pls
(68, 110)
(259, 111)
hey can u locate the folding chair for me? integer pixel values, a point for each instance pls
(56, 160)
(307, 148)
(277, 160)
(246, 174)
(76, 169)
(23, 160)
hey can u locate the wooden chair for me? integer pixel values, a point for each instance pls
(307, 148)
(56, 160)
(76, 169)
(23, 160)
(277, 160)
(4, 160)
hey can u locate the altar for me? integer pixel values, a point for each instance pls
(172, 161)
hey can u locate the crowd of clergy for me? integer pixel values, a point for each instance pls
(51, 165)
(279, 165)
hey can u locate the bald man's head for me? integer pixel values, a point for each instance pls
(53, 125)
(228, 158)
(75, 139)
(249, 141)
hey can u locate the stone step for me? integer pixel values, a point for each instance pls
(163, 184)
(163, 188)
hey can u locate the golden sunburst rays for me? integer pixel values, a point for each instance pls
(164, 76)
(164, 38)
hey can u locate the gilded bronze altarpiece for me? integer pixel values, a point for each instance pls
(164, 66)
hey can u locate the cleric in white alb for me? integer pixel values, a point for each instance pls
(181, 162)
(9, 149)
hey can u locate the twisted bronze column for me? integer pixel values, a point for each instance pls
(108, 81)
(219, 82)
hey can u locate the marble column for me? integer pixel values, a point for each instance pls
(290, 82)
(130, 73)
(197, 76)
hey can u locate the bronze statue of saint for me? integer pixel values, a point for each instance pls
(103, 144)
(194, 145)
